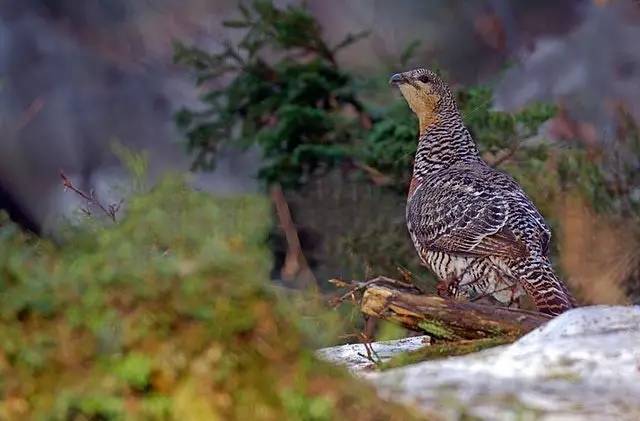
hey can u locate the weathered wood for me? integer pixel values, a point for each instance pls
(442, 318)
(446, 318)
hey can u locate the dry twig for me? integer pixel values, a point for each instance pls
(371, 355)
(376, 176)
(356, 287)
(506, 154)
(91, 198)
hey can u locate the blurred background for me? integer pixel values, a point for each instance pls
(77, 78)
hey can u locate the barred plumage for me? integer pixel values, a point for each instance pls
(471, 224)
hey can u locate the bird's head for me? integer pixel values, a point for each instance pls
(427, 95)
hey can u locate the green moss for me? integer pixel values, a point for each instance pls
(437, 329)
(135, 370)
(443, 350)
(168, 314)
(303, 408)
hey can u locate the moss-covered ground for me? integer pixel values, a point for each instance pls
(167, 314)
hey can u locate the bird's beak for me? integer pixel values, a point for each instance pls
(397, 79)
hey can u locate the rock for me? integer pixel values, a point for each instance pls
(584, 364)
(354, 356)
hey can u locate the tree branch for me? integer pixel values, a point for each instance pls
(295, 262)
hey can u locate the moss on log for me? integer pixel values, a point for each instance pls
(445, 349)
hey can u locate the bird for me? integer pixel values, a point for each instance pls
(471, 224)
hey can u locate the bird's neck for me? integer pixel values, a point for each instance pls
(443, 144)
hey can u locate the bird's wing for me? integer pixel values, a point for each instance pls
(463, 220)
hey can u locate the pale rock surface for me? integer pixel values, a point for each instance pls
(355, 357)
(582, 365)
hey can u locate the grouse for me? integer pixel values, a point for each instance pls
(471, 224)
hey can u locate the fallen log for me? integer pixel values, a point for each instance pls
(441, 318)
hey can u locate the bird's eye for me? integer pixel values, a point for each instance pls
(424, 79)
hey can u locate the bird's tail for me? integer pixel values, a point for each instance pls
(549, 293)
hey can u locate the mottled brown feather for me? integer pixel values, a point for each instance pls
(501, 244)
